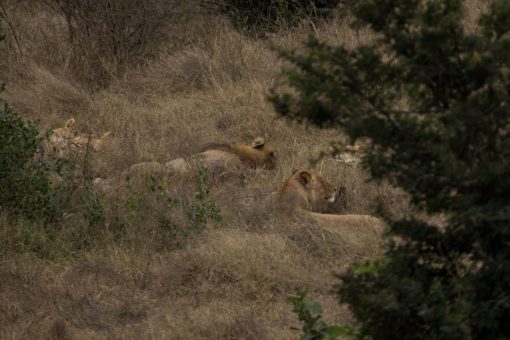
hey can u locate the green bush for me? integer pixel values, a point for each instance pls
(26, 189)
(434, 99)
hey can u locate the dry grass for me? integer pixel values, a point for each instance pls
(141, 272)
(225, 284)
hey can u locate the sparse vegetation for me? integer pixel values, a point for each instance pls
(204, 208)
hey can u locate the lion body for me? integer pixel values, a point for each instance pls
(224, 159)
(359, 236)
(253, 156)
(65, 140)
(96, 144)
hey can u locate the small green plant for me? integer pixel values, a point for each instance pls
(146, 207)
(204, 208)
(166, 222)
(93, 210)
(314, 327)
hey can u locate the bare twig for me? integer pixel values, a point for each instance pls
(3, 14)
(84, 168)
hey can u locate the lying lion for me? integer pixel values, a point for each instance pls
(221, 159)
(65, 140)
(359, 235)
(67, 143)
(61, 138)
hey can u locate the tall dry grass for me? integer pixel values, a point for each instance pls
(141, 271)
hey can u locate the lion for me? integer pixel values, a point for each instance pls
(96, 144)
(302, 190)
(224, 159)
(358, 235)
(62, 141)
(61, 138)
(256, 155)
(67, 143)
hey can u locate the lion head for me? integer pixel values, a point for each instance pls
(60, 138)
(302, 190)
(65, 133)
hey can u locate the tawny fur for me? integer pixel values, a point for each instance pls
(256, 155)
(360, 235)
(301, 191)
(96, 144)
(60, 139)
(64, 140)
(227, 159)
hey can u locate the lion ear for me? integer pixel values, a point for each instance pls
(305, 177)
(296, 169)
(106, 135)
(70, 123)
(258, 143)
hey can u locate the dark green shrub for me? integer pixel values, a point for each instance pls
(435, 101)
(260, 16)
(26, 189)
